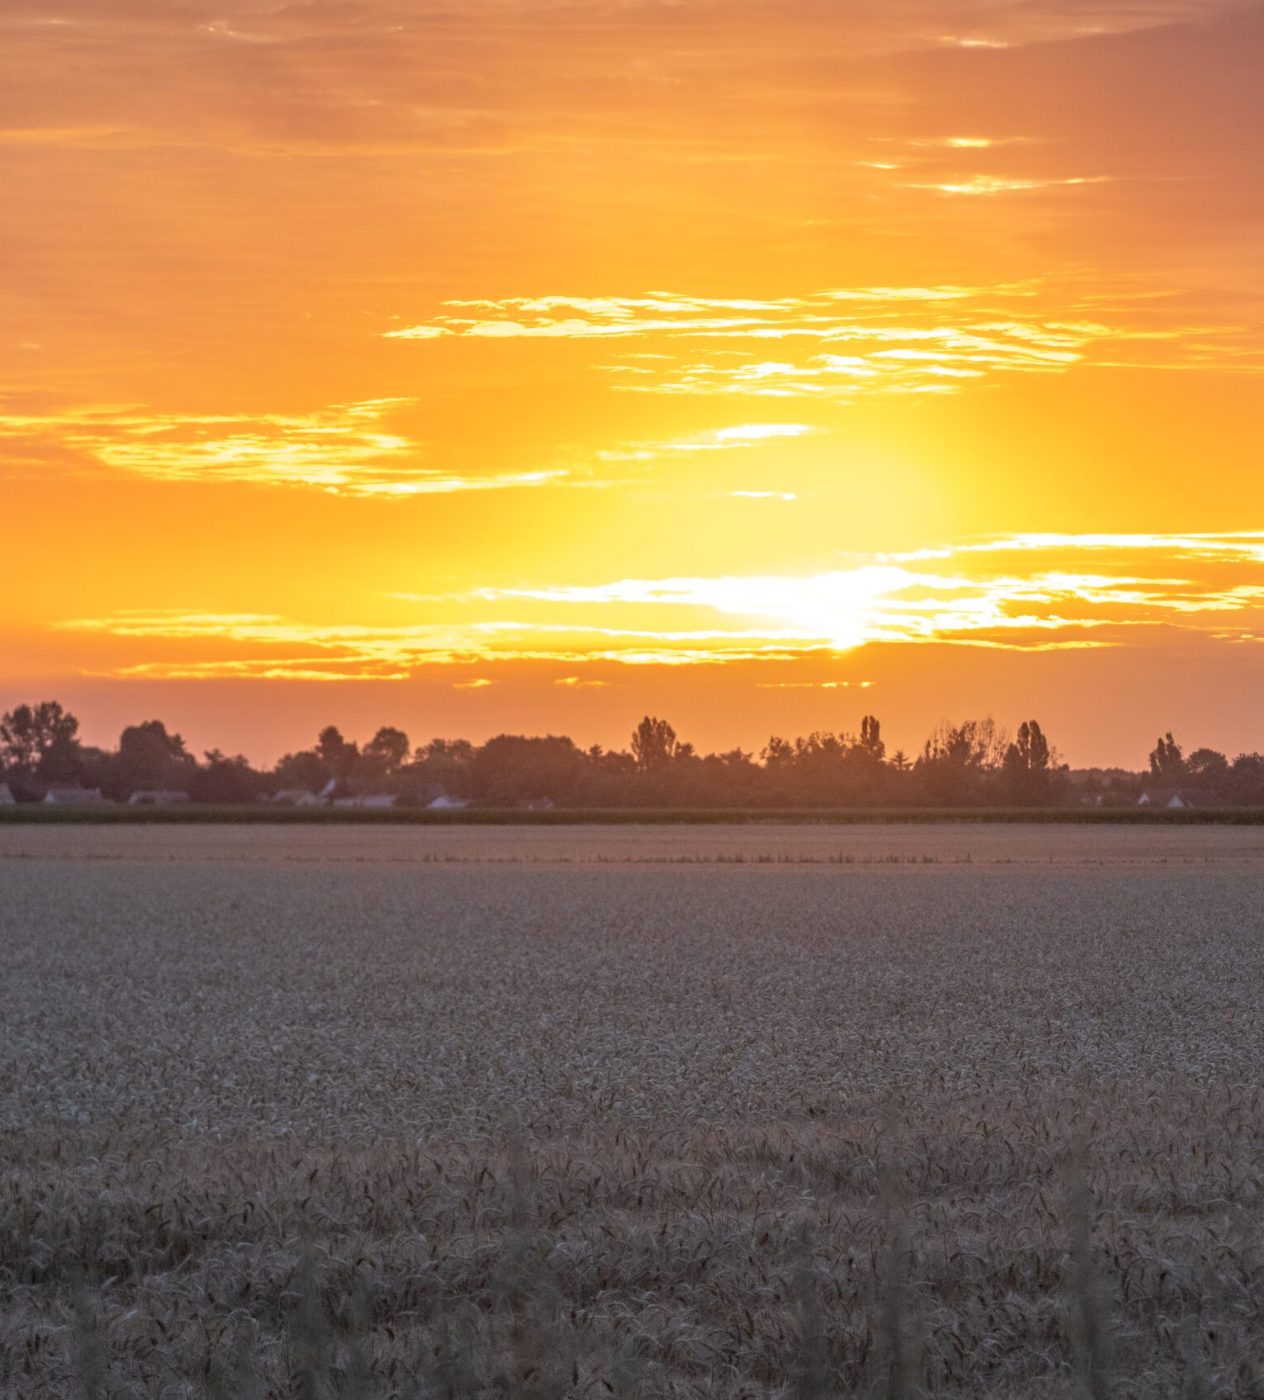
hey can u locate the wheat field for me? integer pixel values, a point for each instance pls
(757, 1112)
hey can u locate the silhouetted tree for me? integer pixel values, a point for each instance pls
(871, 738)
(305, 769)
(1026, 766)
(225, 780)
(149, 757)
(777, 753)
(1167, 761)
(443, 763)
(1207, 767)
(653, 744)
(1245, 780)
(511, 767)
(339, 755)
(971, 762)
(958, 760)
(387, 750)
(39, 743)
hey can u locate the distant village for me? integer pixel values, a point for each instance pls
(972, 764)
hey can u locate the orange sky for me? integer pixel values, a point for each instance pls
(505, 364)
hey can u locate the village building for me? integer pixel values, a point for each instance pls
(1176, 799)
(73, 796)
(295, 797)
(157, 797)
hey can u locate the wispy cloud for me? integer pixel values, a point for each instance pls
(988, 185)
(740, 435)
(1038, 592)
(345, 449)
(840, 342)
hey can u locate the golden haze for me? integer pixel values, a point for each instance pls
(516, 366)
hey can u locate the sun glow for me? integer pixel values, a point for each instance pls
(533, 344)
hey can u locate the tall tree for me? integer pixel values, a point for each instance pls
(388, 749)
(1167, 760)
(338, 754)
(29, 734)
(1026, 765)
(871, 738)
(653, 744)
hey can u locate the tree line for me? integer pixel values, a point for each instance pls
(973, 763)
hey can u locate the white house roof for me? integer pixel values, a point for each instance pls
(72, 796)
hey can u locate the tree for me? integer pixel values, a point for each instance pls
(338, 754)
(1167, 760)
(511, 767)
(1246, 779)
(224, 779)
(149, 757)
(445, 762)
(30, 734)
(958, 760)
(653, 744)
(1026, 765)
(1207, 767)
(387, 750)
(871, 739)
(777, 753)
(305, 769)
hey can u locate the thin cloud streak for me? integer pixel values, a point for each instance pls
(1017, 593)
(345, 450)
(859, 341)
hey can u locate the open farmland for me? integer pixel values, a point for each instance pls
(758, 1111)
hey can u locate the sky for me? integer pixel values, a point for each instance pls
(526, 366)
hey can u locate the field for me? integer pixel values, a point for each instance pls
(750, 1111)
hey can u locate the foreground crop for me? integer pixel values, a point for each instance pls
(369, 1129)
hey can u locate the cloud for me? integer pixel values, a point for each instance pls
(1036, 592)
(988, 185)
(741, 435)
(841, 343)
(345, 449)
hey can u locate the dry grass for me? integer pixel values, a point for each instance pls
(272, 1127)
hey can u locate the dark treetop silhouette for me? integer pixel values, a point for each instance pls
(973, 763)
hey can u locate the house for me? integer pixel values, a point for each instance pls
(156, 797)
(445, 803)
(295, 797)
(375, 801)
(6, 795)
(1176, 799)
(73, 796)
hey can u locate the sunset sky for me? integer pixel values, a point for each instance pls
(512, 365)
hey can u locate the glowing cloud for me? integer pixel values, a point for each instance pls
(344, 449)
(839, 343)
(1021, 593)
